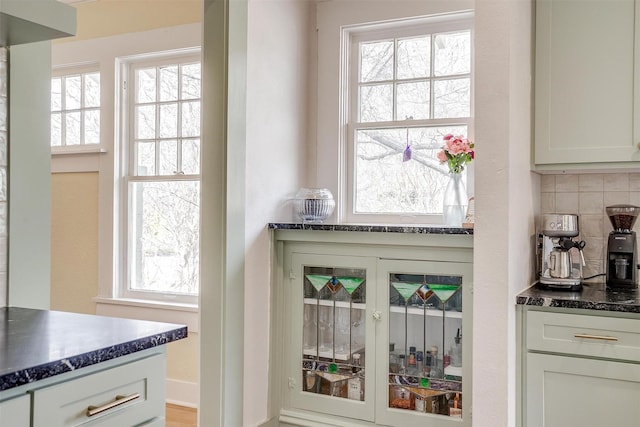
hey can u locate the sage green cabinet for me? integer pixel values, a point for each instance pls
(126, 395)
(565, 391)
(127, 391)
(579, 369)
(587, 83)
(15, 412)
(340, 306)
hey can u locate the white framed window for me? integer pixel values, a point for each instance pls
(407, 85)
(160, 185)
(75, 110)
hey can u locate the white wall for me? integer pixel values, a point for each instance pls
(506, 198)
(278, 87)
(326, 154)
(506, 190)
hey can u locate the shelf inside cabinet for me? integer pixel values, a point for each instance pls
(429, 312)
(328, 354)
(339, 304)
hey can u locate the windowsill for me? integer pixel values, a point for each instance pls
(65, 151)
(158, 311)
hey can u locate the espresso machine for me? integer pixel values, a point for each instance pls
(560, 256)
(622, 251)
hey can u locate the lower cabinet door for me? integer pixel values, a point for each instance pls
(124, 396)
(156, 422)
(575, 392)
(15, 412)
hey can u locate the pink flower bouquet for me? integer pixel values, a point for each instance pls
(457, 151)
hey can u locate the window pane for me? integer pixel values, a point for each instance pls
(73, 92)
(376, 103)
(92, 127)
(413, 100)
(191, 157)
(146, 85)
(169, 83)
(190, 81)
(146, 158)
(72, 128)
(191, 118)
(168, 157)
(452, 98)
(145, 122)
(386, 184)
(165, 226)
(56, 94)
(168, 120)
(92, 90)
(376, 61)
(452, 53)
(56, 129)
(414, 57)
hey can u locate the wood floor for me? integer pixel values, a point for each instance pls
(181, 416)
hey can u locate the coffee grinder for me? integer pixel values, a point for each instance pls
(560, 257)
(622, 250)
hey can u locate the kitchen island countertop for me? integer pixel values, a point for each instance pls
(594, 296)
(38, 344)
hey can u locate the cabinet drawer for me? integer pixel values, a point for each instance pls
(15, 412)
(156, 422)
(124, 396)
(597, 336)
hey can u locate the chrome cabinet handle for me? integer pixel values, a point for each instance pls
(377, 315)
(596, 337)
(120, 400)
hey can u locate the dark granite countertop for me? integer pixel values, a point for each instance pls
(594, 296)
(426, 229)
(38, 344)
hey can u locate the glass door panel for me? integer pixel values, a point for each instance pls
(331, 339)
(423, 368)
(334, 331)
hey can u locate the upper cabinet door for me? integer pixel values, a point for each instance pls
(586, 82)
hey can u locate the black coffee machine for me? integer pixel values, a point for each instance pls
(622, 251)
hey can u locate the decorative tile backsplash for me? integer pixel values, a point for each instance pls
(4, 144)
(587, 195)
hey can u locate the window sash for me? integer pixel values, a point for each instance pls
(131, 178)
(351, 107)
(83, 112)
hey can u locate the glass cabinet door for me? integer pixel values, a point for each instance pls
(330, 297)
(422, 369)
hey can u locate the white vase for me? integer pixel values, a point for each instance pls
(455, 202)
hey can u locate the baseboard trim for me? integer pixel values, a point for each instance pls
(183, 393)
(273, 422)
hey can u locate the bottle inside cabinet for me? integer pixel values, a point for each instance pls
(333, 358)
(425, 317)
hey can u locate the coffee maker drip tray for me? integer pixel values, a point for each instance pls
(572, 283)
(573, 287)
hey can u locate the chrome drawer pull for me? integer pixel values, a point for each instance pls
(596, 337)
(120, 400)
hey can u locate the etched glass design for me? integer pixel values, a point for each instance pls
(425, 358)
(333, 353)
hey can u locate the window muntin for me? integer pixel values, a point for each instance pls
(75, 109)
(162, 179)
(408, 86)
